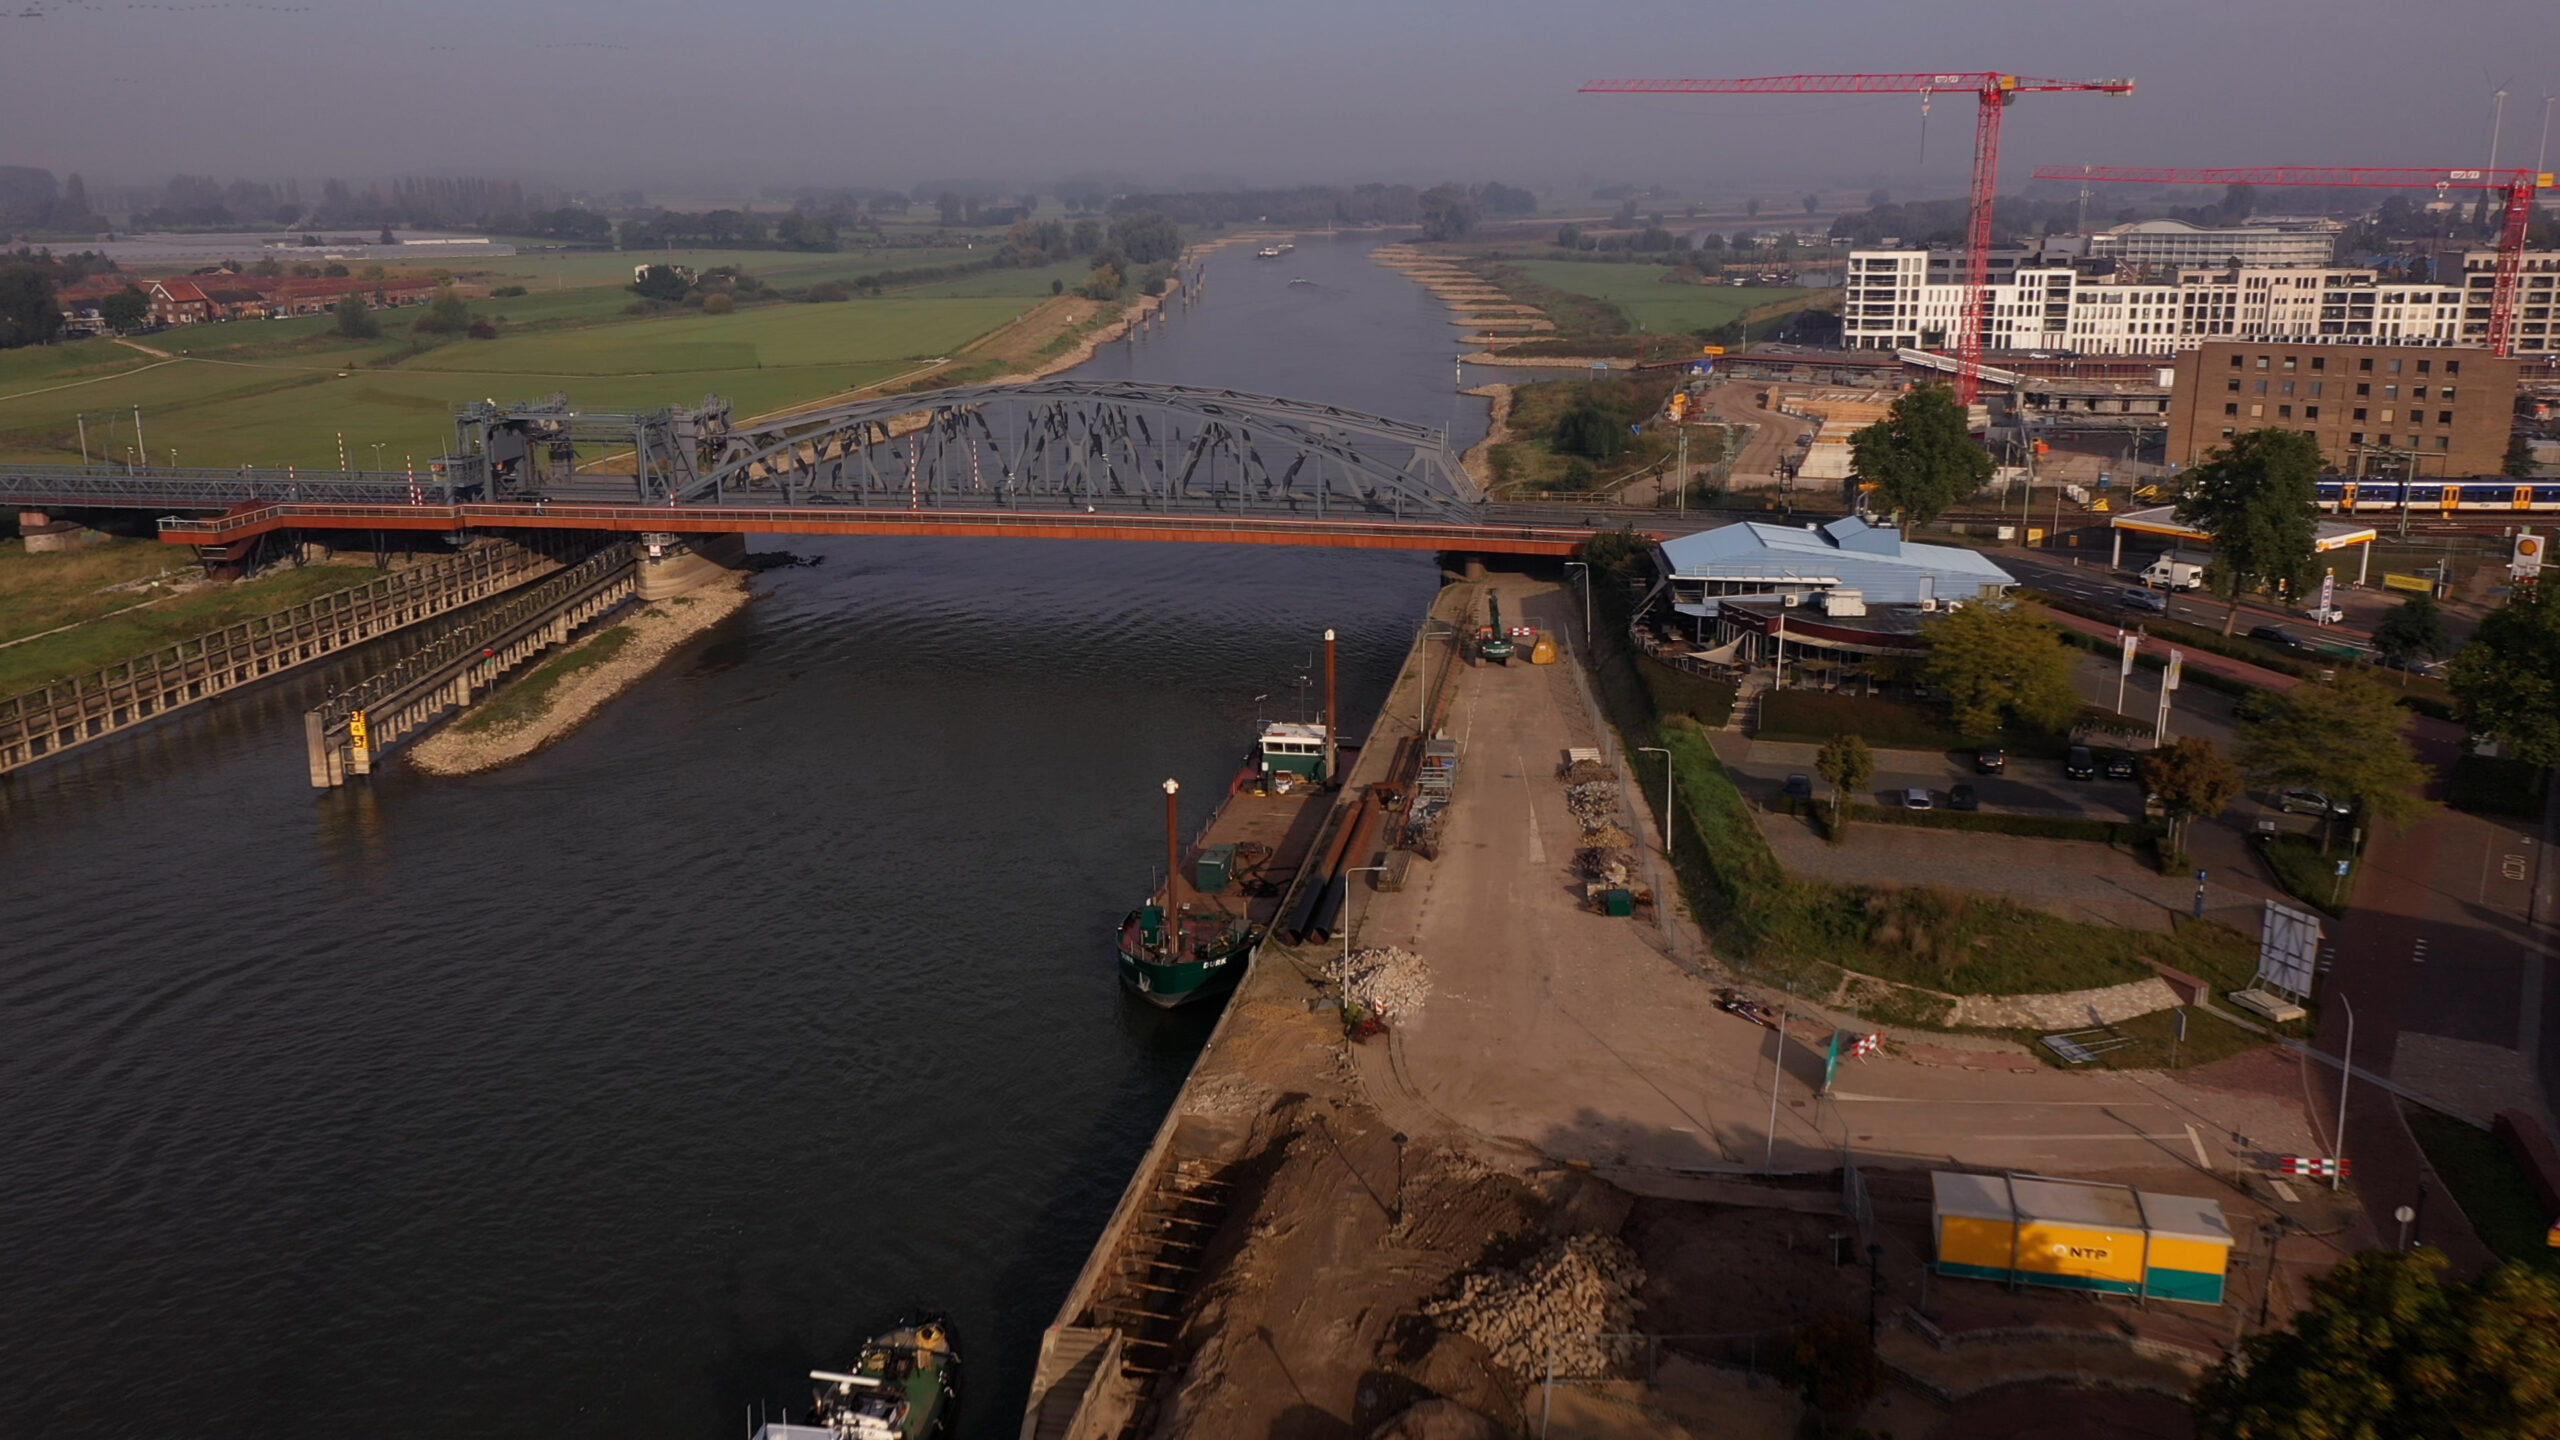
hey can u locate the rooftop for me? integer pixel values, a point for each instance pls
(1830, 551)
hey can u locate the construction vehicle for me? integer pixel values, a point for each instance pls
(1492, 641)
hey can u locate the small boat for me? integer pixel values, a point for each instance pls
(1288, 245)
(902, 1386)
(1267, 252)
(1301, 280)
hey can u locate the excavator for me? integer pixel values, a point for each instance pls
(1492, 641)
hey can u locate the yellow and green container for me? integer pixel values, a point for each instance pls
(2080, 1235)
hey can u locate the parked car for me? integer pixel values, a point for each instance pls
(2275, 635)
(2312, 802)
(2119, 765)
(1916, 798)
(1990, 762)
(1961, 797)
(1799, 787)
(2079, 764)
(2140, 599)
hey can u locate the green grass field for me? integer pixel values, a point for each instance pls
(1653, 303)
(284, 392)
(41, 592)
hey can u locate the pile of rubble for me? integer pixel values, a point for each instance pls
(1583, 771)
(1604, 864)
(1555, 1305)
(1594, 803)
(1387, 982)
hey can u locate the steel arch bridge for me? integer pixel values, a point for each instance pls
(1080, 446)
(1086, 445)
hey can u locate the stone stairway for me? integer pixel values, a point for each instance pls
(1746, 703)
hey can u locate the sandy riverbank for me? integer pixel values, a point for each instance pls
(1497, 430)
(657, 629)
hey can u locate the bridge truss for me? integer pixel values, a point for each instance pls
(1080, 446)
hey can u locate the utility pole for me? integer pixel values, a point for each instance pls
(1666, 795)
(1585, 568)
(2346, 1077)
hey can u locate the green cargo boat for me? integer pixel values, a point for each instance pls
(1188, 942)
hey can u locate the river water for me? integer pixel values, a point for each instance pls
(609, 1093)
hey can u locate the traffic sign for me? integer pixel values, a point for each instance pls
(2320, 1165)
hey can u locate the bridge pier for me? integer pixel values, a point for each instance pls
(672, 565)
(45, 535)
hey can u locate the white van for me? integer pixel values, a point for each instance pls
(2175, 572)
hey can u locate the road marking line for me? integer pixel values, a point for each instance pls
(2203, 1161)
(2285, 1193)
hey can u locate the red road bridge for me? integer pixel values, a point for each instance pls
(1347, 532)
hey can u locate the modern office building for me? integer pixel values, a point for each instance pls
(2177, 245)
(2537, 321)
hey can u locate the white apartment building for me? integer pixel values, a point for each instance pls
(2537, 304)
(2175, 244)
(1895, 299)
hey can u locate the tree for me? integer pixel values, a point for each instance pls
(1751, 206)
(125, 309)
(2387, 1349)
(446, 314)
(949, 207)
(1495, 196)
(2519, 461)
(1997, 663)
(1921, 457)
(663, 283)
(1569, 236)
(1847, 763)
(2341, 737)
(719, 302)
(29, 314)
(2257, 498)
(355, 322)
(1447, 213)
(1146, 237)
(386, 237)
(1812, 202)
(2506, 682)
(1831, 1361)
(1589, 428)
(2413, 631)
(2193, 779)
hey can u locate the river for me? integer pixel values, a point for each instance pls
(609, 1093)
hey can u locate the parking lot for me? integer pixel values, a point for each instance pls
(2026, 786)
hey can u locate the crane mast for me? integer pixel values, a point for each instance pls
(1993, 91)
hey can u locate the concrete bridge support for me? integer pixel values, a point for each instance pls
(672, 565)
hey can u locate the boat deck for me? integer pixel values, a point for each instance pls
(1287, 824)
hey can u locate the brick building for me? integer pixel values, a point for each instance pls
(180, 302)
(2392, 410)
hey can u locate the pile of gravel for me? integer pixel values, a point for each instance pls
(1384, 980)
(1555, 1302)
(1580, 772)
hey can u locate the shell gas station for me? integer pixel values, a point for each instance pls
(2162, 520)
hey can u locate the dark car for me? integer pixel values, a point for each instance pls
(2140, 599)
(1990, 762)
(1961, 797)
(1799, 787)
(2275, 635)
(2080, 764)
(2119, 765)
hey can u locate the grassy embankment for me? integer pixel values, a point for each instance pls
(527, 699)
(1573, 436)
(40, 593)
(275, 392)
(1645, 312)
(1781, 928)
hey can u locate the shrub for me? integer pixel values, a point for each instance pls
(718, 304)
(483, 330)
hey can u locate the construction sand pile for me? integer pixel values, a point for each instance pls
(1386, 981)
(1553, 1304)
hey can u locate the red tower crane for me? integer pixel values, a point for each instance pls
(1993, 90)
(2517, 185)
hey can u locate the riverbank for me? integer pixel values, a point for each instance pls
(1476, 462)
(569, 691)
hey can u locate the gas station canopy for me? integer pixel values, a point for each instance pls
(2163, 520)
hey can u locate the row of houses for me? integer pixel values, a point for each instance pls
(203, 299)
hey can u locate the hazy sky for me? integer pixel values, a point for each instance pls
(656, 93)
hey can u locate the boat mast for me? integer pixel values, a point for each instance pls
(1332, 766)
(1172, 850)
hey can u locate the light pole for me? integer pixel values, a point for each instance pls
(2346, 1077)
(1666, 795)
(1585, 568)
(377, 457)
(1777, 1073)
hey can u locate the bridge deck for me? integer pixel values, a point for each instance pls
(1360, 534)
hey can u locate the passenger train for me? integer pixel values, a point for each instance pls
(2495, 495)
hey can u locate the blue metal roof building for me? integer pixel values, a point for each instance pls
(1871, 563)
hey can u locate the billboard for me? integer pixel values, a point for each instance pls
(2288, 949)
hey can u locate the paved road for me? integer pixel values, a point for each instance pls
(2444, 971)
(1568, 1034)
(2092, 583)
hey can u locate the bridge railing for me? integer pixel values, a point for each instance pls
(75, 485)
(807, 519)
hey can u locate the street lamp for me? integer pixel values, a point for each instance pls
(1585, 568)
(2346, 1077)
(1666, 795)
(377, 457)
